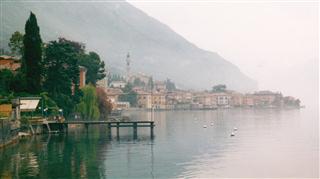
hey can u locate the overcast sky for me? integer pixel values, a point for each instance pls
(274, 43)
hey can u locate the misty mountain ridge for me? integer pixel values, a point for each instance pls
(113, 29)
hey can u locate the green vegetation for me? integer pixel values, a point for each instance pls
(88, 106)
(138, 82)
(51, 71)
(6, 78)
(16, 43)
(115, 77)
(170, 85)
(104, 104)
(49, 104)
(32, 55)
(150, 84)
(219, 88)
(95, 67)
(61, 79)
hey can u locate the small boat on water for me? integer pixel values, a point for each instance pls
(235, 129)
(211, 124)
(204, 126)
(232, 134)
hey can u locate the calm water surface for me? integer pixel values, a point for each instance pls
(268, 143)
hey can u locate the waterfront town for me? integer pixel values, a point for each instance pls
(106, 90)
(50, 83)
(163, 95)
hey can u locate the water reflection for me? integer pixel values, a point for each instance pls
(268, 143)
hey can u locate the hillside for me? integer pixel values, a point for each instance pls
(113, 29)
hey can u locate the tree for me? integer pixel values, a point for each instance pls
(219, 88)
(77, 46)
(32, 55)
(129, 95)
(150, 84)
(6, 79)
(61, 79)
(16, 43)
(138, 82)
(104, 104)
(95, 67)
(49, 103)
(170, 85)
(88, 106)
(19, 84)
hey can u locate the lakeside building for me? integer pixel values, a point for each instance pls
(82, 74)
(144, 100)
(160, 86)
(103, 83)
(150, 100)
(237, 99)
(248, 100)
(9, 62)
(159, 100)
(223, 99)
(113, 95)
(82, 78)
(267, 98)
(204, 100)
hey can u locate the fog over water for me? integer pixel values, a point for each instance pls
(275, 43)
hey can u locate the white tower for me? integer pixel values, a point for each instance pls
(128, 67)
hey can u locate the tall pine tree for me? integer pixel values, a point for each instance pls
(32, 55)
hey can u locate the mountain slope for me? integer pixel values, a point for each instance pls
(115, 28)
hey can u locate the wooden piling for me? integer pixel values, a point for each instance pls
(118, 135)
(109, 131)
(151, 130)
(135, 130)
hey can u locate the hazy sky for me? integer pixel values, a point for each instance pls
(274, 43)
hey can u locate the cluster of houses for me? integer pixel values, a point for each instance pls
(159, 97)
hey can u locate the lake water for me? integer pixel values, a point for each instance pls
(268, 143)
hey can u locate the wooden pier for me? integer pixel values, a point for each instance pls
(131, 124)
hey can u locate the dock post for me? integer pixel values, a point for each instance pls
(151, 129)
(66, 127)
(118, 136)
(135, 130)
(109, 131)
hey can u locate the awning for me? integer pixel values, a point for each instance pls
(28, 104)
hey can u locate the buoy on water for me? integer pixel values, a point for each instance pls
(232, 134)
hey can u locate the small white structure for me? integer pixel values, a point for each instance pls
(29, 104)
(122, 105)
(117, 84)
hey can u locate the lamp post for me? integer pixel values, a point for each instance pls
(61, 112)
(46, 112)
